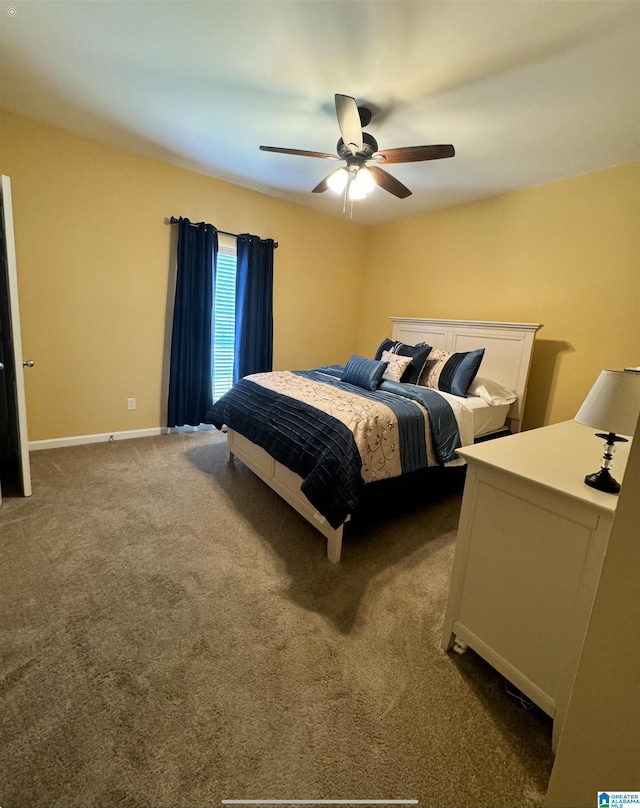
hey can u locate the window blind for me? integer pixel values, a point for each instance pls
(224, 316)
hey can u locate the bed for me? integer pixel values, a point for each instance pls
(317, 437)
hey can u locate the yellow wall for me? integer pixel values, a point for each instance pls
(94, 265)
(565, 254)
(94, 268)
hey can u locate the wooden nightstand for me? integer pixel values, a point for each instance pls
(531, 541)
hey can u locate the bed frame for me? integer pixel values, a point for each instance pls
(507, 359)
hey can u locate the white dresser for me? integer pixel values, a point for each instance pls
(531, 541)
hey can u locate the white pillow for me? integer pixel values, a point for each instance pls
(396, 365)
(490, 391)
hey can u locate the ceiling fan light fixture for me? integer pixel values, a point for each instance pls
(361, 183)
(337, 180)
(364, 180)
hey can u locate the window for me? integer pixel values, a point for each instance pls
(224, 317)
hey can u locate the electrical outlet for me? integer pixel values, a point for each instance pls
(131, 403)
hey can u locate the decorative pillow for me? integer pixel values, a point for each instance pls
(490, 391)
(419, 354)
(366, 373)
(396, 366)
(385, 345)
(451, 372)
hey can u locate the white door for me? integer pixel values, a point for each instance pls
(14, 444)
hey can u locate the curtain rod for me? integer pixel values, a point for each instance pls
(173, 220)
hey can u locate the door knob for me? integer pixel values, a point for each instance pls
(28, 363)
(1, 366)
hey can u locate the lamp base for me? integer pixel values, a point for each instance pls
(603, 481)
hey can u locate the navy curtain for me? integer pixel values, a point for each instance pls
(190, 370)
(254, 306)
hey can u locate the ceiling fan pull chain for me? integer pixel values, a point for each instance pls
(346, 193)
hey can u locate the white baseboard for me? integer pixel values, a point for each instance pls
(77, 440)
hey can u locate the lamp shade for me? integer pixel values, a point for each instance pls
(613, 403)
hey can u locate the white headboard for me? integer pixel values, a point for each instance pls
(508, 348)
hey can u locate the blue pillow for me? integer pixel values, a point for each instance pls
(452, 372)
(418, 354)
(386, 345)
(366, 373)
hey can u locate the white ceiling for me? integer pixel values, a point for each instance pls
(528, 91)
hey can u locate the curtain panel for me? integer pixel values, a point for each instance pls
(254, 306)
(190, 369)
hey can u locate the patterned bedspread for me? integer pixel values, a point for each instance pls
(338, 436)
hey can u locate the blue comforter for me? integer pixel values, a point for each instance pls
(337, 436)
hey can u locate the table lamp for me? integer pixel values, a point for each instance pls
(613, 405)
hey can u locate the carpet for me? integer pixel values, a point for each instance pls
(172, 634)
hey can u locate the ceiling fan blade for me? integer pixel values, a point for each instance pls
(300, 152)
(389, 183)
(415, 154)
(322, 186)
(349, 122)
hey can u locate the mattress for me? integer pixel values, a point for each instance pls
(476, 417)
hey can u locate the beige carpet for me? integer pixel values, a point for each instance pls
(172, 634)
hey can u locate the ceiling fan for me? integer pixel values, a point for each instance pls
(360, 151)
